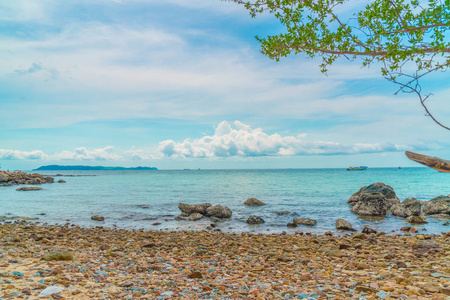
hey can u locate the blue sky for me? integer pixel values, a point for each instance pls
(182, 84)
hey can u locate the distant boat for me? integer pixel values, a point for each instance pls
(360, 168)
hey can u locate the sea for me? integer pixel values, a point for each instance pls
(142, 199)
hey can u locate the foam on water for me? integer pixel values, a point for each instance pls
(137, 199)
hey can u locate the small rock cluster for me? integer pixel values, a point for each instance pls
(19, 177)
(197, 211)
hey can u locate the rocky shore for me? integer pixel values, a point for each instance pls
(78, 263)
(19, 177)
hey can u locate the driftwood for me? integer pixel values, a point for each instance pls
(436, 163)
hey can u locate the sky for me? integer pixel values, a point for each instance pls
(180, 84)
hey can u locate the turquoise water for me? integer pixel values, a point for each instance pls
(128, 199)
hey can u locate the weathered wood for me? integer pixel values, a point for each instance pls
(436, 163)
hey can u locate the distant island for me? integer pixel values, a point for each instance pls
(88, 168)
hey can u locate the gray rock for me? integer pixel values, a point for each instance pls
(188, 209)
(386, 191)
(254, 202)
(29, 188)
(341, 224)
(219, 211)
(409, 207)
(195, 217)
(370, 204)
(438, 205)
(304, 221)
(254, 220)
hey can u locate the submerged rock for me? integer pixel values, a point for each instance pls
(195, 217)
(342, 224)
(254, 220)
(304, 221)
(188, 209)
(98, 218)
(219, 211)
(438, 205)
(29, 188)
(282, 213)
(254, 202)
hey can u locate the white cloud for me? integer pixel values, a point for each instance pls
(82, 153)
(137, 154)
(7, 154)
(245, 141)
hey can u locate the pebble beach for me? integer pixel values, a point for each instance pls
(71, 262)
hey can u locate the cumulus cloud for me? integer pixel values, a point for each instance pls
(83, 153)
(242, 140)
(7, 154)
(137, 154)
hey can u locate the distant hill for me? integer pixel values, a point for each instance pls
(88, 168)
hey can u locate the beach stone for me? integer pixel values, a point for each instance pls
(219, 211)
(438, 205)
(254, 220)
(194, 275)
(254, 202)
(417, 220)
(48, 291)
(376, 199)
(409, 207)
(58, 255)
(304, 221)
(98, 218)
(368, 230)
(29, 188)
(188, 209)
(195, 217)
(342, 224)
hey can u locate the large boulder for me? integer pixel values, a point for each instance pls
(409, 207)
(373, 200)
(219, 211)
(304, 221)
(370, 204)
(379, 187)
(341, 224)
(188, 209)
(254, 202)
(438, 205)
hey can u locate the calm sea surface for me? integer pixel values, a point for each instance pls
(131, 199)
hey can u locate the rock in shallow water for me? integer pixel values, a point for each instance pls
(195, 217)
(29, 188)
(219, 211)
(254, 220)
(341, 224)
(188, 209)
(438, 205)
(373, 200)
(304, 221)
(254, 202)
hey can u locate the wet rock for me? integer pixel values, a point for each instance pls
(368, 230)
(98, 218)
(219, 211)
(61, 181)
(195, 217)
(409, 207)
(292, 225)
(417, 220)
(254, 202)
(180, 218)
(370, 204)
(29, 188)
(254, 220)
(58, 255)
(188, 209)
(342, 224)
(304, 221)
(373, 200)
(438, 205)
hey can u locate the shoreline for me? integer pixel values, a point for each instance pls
(139, 264)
